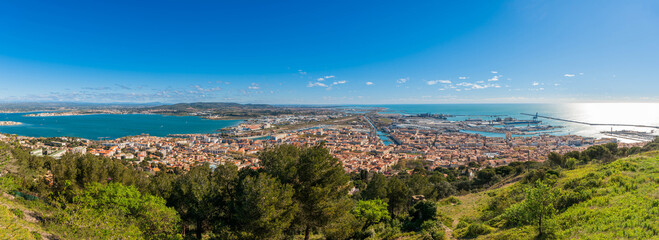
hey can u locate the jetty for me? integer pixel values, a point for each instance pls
(591, 124)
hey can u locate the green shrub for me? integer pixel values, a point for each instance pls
(462, 224)
(450, 200)
(516, 215)
(17, 212)
(8, 184)
(474, 230)
(566, 199)
(433, 230)
(570, 163)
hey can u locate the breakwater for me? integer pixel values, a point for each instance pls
(591, 124)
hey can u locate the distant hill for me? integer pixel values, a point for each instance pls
(234, 110)
(41, 106)
(211, 106)
(216, 110)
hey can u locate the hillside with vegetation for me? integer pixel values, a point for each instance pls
(303, 193)
(598, 199)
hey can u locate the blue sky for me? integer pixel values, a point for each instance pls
(330, 52)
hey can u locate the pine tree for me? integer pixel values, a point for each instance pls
(264, 208)
(318, 179)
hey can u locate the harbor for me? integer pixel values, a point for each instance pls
(591, 124)
(631, 135)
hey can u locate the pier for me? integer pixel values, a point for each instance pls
(591, 124)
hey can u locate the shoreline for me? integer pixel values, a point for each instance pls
(10, 123)
(64, 114)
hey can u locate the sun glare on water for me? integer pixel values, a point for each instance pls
(618, 113)
(646, 114)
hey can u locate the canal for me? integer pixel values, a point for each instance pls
(384, 137)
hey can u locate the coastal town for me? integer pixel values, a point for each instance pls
(372, 142)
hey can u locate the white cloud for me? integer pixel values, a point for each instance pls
(339, 82)
(328, 86)
(433, 82)
(320, 79)
(301, 72)
(478, 85)
(403, 80)
(254, 86)
(493, 79)
(568, 75)
(480, 82)
(494, 72)
(328, 77)
(536, 83)
(316, 84)
(462, 78)
(556, 84)
(369, 83)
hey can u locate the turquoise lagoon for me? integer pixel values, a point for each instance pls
(110, 125)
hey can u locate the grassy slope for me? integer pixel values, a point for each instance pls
(625, 204)
(13, 226)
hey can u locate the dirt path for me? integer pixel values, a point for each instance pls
(448, 232)
(506, 182)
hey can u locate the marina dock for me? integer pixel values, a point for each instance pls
(591, 124)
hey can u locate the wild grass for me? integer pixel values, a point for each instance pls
(618, 200)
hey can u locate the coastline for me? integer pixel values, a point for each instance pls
(61, 114)
(226, 118)
(10, 123)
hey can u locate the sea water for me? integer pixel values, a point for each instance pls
(110, 125)
(608, 113)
